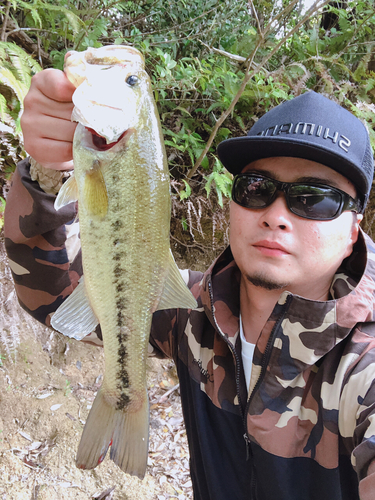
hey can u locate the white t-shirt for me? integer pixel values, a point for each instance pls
(247, 355)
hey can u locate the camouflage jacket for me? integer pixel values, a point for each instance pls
(304, 429)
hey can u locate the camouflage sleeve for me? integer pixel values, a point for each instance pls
(367, 485)
(42, 246)
(168, 326)
(357, 417)
(364, 452)
(44, 254)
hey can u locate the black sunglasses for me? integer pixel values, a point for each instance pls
(310, 201)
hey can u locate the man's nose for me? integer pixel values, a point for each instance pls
(277, 215)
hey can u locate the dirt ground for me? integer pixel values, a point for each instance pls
(47, 385)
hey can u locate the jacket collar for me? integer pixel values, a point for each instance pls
(309, 329)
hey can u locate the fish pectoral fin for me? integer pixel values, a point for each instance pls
(175, 293)
(125, 430)
(67, 194)
(75, 318)
(95, 196)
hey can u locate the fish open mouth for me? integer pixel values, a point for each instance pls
(99, 142)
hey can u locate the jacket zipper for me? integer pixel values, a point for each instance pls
(265, 360)
(267, 354)
(243, 415)
(264, 363)
(231, 348)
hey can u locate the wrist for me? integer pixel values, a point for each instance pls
(50, 178)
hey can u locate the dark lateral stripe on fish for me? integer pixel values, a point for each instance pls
(117, 225)
(122, 375)
(123, 402)
(119, 272)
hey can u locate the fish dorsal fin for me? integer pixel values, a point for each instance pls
(175, 293)
(67, 194)
(75, 318)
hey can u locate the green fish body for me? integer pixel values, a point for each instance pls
(121, 182)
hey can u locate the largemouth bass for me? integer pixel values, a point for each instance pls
(121, 182)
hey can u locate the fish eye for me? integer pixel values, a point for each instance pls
(132, 80)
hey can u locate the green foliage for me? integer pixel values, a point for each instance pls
(16, 70)
(68, 388)
(195, 54)
(185, 141)
(187, 192)
(184, 224)
(2, 208)
(222, 181)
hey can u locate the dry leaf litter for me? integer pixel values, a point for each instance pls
(47, 386)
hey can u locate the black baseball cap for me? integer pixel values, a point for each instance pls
(312, 127)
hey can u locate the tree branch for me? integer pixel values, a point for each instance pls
(315, 7)
(102, 11)
(27, 43)
(5, 22)
(226, 113)
(255, 13)
(234, 57)
(26, 29)
(354, 33)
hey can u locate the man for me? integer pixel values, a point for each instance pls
(277, 363)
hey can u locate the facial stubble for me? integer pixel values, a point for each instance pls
(262, 281)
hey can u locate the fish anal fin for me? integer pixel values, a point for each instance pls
(125, 431)
(95, 196)
(67, 194)
(75, 318)
(175, 293)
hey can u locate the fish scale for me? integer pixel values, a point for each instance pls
(128, 255)
(123, 198)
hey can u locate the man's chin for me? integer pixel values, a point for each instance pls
(262, 281)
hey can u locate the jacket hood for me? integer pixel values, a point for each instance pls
(310, 328)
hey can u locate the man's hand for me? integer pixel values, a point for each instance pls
(46, 125)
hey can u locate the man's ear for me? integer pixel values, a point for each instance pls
(357, 219)
(353, 237)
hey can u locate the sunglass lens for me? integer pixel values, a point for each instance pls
(253, 192)
(314, 202)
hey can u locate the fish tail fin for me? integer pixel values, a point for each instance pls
(125, 431)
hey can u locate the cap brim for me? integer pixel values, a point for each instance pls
(238, 152)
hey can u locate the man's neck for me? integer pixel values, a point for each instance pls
(257, 304)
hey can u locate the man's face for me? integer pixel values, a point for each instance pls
(275, 249)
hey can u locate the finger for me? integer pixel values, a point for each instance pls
(42, 132)
(54, 84)
(46, 151)
(36, 103)
(48, 127)
(46, 120)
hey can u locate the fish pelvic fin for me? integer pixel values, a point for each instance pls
(95, 196)
(125, 430)
(175, 293)
(67, 194)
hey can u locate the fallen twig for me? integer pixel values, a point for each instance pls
(165, 396)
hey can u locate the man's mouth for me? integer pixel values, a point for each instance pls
(100, 142)
(270, 248)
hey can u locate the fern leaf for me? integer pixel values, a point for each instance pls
(219, 197)
(9, 79)
(75, 22)
(14, 51)
(3, 108)
(185, 194)
(207, 186)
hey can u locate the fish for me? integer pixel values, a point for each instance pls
(121, 184)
